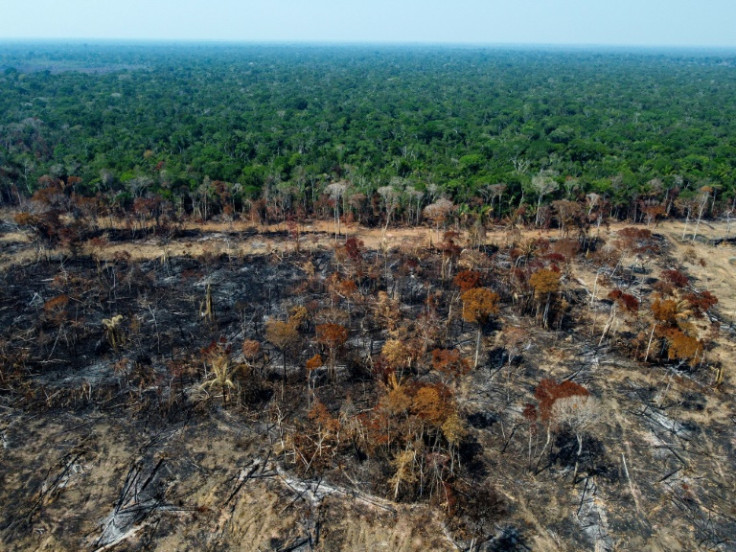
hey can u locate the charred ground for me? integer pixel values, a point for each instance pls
(329, 398)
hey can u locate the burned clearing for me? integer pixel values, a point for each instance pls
(529, 392)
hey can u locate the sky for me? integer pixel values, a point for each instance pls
(706, 23)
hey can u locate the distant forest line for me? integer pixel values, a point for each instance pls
(380, 132)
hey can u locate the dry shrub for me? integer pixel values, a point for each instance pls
(675, 278)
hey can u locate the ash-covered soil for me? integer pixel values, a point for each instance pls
(155, 405)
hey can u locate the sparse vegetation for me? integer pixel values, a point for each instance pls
(361, 376)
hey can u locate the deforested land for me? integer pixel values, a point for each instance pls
(366, 298)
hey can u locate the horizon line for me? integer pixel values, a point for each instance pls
(354, 43)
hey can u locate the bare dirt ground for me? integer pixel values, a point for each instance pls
(242, 238)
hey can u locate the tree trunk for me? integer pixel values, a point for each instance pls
(283, 373)
(577, 459)
(545, 314)
(700, 217)
(687, 221)
(546, 444)
(539, 205)
(605, 331)
(649, 345)
(477, 348)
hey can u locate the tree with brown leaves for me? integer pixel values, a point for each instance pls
(622, 303)
(284, 336)
(386, 311)
(701, 302)
(332, 336)
(312, 365)
(681, 346)
(449, 363)
(546, 284)
(467, 279)
(565, 403)
(567, 214)
(479, 304)
(672, 323)
(251, 349)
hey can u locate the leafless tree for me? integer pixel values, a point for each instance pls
(543, 183)
(336, 191)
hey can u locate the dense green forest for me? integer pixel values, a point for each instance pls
(280, 123)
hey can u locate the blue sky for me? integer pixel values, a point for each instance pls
(603, 22)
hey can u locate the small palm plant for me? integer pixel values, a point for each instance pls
(113, 330)
(221, 373)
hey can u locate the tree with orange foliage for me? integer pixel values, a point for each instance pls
(681, 346)
(671, 323)
(675, 278)
(342, 288)
(251, 350)
(654, 212)
(664, 312)
(430, 403)
(479, 304)
(418, 427)
(546, 284)
(284, 336)
(354, 249)
(332, 336)
(52, 230)
(312, 365)
(450, 363)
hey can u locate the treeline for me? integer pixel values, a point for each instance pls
(222, 130)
